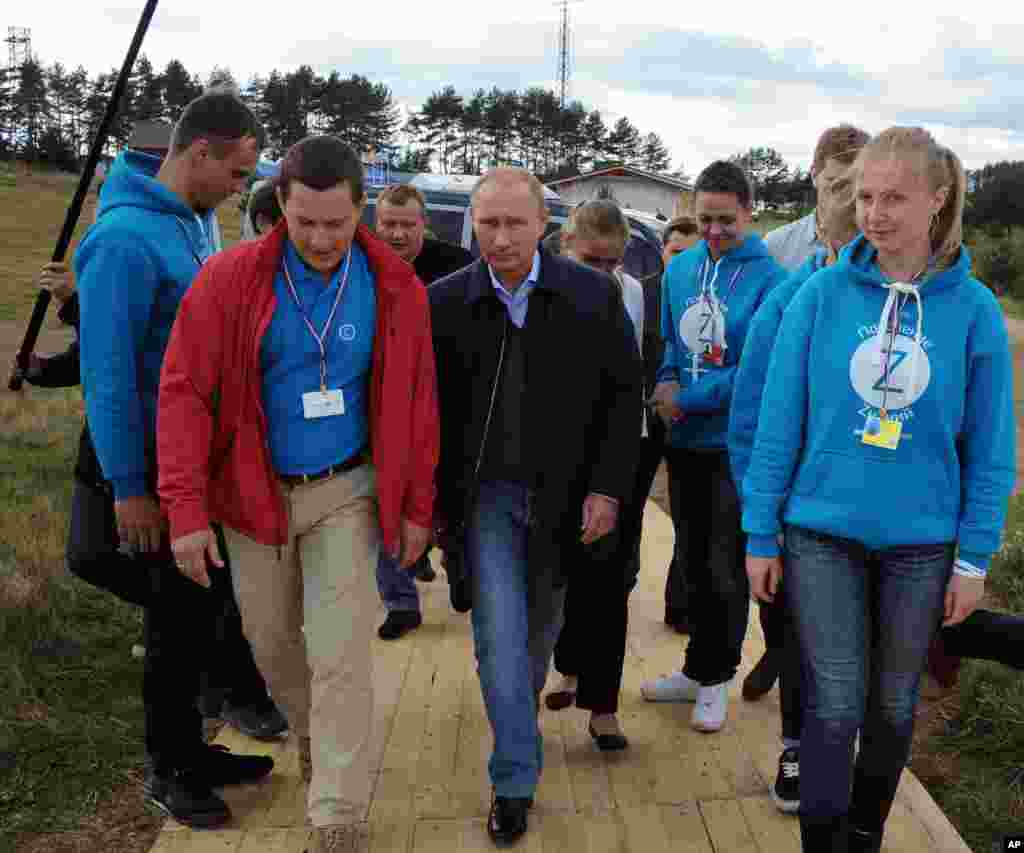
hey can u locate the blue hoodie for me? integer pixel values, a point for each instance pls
(753, 369)
(691, 289)
(133, 268)
(950, 477)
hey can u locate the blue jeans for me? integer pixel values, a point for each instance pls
(397, 586)
(515, 626)
(854, 605)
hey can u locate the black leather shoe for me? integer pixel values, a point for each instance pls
(399, 622)
(559, 700)
(761, 678)
(609, 743)
(863, 841)
(187, 797)
(260, 720)
(423, 570)
(218, 766)
(507, 821)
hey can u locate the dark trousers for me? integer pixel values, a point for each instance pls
(678, 588)
(781, 641)
(598, 595)
(987, 635)
(187, 636)
(710, 540)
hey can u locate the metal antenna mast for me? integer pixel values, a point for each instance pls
(563, 54)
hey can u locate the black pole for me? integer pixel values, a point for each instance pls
(28, 344)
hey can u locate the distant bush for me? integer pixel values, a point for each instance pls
(998, 256)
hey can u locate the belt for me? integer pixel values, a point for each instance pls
(354, 461)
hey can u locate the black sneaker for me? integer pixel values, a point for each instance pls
(507, 821)
(762, 677)
(786, 790)
(260, 720)
(218, 767)
(187, 797)
(399, 622)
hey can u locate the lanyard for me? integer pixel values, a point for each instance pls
(319, 338)
(707, 289)
(188, 239)
(892, 323)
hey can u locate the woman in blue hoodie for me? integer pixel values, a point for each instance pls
(886, 449)
(709, 295)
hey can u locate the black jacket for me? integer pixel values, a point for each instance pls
(62, 370)
(654, 344)
(438, 259)
(582, 411)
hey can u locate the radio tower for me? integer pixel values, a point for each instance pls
(19, 50)
(563, 53)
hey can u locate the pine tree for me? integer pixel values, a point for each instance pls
(654, 156)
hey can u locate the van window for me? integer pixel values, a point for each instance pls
(446, 225)
(642, 259)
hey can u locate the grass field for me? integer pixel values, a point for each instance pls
(70, 706)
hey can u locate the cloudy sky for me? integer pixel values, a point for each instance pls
(712, 79)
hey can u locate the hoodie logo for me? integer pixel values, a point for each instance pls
(874, 380)
(347, 332)
(695, 326)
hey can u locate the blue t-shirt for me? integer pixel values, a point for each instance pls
(290, 357)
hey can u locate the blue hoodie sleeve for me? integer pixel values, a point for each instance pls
(779, 437)
(117, 282)
(669, 370)
(988, 442)
(749, 386)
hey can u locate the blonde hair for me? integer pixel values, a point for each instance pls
(941, 168)
(598, 218)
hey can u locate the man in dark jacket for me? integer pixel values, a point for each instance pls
(539, 375)
(401, 222)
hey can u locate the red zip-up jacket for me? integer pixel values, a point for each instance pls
(213, 459)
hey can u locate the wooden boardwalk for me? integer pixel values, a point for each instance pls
(673, 789)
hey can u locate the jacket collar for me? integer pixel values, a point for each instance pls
(553, 276)
(390, 271)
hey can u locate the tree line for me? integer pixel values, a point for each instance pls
(49, 114)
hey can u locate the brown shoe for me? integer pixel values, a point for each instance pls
(305, 759)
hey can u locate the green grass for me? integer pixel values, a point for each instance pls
(1013, 307)
(70, 726)
(986, 798)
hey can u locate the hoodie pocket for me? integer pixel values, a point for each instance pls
(871, 485)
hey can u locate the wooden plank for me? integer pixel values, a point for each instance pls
(470, 785)
(904, 832)
(727, 827)
(204, 841)
(632, 772)
(288, 805)
(918, 801)
(603, 833)
(774, 831)
(436, 836)
(684, 826)
(393, 836)
(736, 764)
(645, 832)
(295, 840)
(591, 787)
(554, 792)
(561, 832)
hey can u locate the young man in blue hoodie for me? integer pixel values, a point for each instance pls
(885, 446)
(132, 269)
(710, 294)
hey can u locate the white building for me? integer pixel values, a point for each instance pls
(629, 188)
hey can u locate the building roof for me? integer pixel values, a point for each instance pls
(623, 172)
(151, 136)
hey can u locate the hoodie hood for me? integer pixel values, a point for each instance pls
(861, 258)
(752, 248)
(132, 183)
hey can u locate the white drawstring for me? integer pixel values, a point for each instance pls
(896, 288)
(707, 292)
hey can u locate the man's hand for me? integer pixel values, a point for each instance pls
(59, 280)
(140, 525)
(412, 543)
(190, 553)
(599, 516)
(34, 371)
(963, 595)
(764, 574)
(663, 401)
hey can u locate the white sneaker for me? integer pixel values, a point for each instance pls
(712, 702)
(670, 688)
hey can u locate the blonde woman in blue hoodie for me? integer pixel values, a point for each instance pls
(885, 449)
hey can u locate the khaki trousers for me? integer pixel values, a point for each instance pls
(308, 609)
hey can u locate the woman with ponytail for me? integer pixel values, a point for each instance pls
(885, 451)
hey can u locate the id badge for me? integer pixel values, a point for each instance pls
(323, 404)
(882, 432)
(715, 354)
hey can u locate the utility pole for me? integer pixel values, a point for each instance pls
(19, 51)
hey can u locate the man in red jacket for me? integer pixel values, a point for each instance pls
(298, 407)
